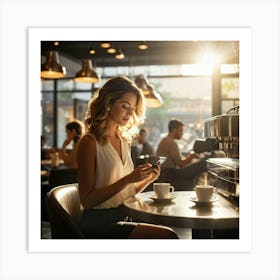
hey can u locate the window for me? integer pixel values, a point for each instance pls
(186, 91)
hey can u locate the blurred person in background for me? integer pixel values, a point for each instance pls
(182, 168)
(74, 131)
(141, 150)
(147, 148)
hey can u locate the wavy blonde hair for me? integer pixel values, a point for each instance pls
(97, 113)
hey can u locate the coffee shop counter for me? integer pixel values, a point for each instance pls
(205, 219)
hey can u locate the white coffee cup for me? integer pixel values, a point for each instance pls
(163, 190)
(204, 193)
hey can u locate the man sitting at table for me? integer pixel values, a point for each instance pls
(177, 167)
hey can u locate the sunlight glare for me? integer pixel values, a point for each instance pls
(209, 59)
(196, 69)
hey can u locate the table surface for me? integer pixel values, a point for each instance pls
(182, 212)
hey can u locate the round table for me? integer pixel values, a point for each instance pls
(183, 212)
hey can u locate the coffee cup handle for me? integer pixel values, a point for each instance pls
(171, 189)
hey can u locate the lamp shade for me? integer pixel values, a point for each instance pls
(119, 55)
(153, 98)
(52, 69)
(142, 83)
(87, 74)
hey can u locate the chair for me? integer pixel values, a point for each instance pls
(58, 177)
(62, 176)
(64, 209)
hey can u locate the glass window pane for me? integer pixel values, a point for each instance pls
(65, 84)
(82, 95)
(164, 70)
(65, 114)
(156, 70)
(47, 85)
(47, 128)
(196, 69)
(230, 87)
(113, 71)
(187, 99)
(228, 104)
(81, 104)
(83, 86)
(67, 104)
(184, 87)
(230, 68)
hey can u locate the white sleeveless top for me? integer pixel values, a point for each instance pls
(109, 168)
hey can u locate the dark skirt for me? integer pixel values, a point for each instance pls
(104, 223)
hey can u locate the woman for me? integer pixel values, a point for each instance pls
(105, 169)
(74, 131)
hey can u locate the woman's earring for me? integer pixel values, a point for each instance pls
(108, 109)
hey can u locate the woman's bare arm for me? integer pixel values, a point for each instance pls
(90, 196)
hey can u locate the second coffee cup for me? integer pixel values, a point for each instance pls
(204, 193)
(163, 190)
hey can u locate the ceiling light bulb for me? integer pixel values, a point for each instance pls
(105, 45)
(111, 50)
(142, 46)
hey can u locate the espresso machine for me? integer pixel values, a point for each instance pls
(221, 147)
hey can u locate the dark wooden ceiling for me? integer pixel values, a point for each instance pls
(158, 52)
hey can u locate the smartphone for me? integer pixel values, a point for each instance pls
(159, 160)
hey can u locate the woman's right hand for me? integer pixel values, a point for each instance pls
(140, 173)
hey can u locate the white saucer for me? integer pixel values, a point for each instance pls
(196, 201)
(164, 199)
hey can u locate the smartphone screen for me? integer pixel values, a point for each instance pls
(159, 160)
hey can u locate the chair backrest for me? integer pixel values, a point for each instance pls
(64, 208)
(58, 177)
(63, 176)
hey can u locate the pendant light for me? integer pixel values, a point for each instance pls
(87, 74)
(153, 98)
(119, 54)
(52, 69)
(142, 83)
